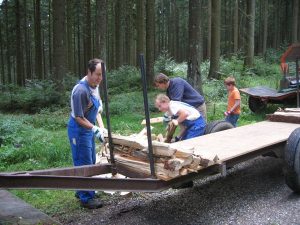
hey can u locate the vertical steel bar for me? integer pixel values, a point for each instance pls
(297, 79)
(144, 82)
(110, 142)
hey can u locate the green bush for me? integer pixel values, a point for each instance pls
(125, 79)
(31, 98)
(167, 65)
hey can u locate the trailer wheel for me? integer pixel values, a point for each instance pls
(292, 161)
(217, 126)
(255, 104)
(292, 180)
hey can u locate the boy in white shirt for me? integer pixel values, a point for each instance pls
(188, 118)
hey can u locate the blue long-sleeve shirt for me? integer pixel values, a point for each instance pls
(181, 90)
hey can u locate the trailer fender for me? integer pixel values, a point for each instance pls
(217, 126)
(292, 161)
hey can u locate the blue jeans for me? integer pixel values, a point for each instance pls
(233, 118)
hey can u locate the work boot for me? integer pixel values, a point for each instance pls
(92, 204)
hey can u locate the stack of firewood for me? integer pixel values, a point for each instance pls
(132, 152)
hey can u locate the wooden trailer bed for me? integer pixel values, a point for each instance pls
(242, 140)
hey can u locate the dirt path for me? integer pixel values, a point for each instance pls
(253, 193)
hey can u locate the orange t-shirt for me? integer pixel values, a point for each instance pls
(232, 96)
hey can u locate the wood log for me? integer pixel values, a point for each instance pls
(183, 152)
(177, 163)
(160, 138)
(170, 131)
(128, 141)
(153, 120)
(195, 163)
(140, 166)
(162, 149)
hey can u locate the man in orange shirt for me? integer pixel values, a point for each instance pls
(234, 102)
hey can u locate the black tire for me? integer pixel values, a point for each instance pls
(292, 180)
(217, 126)
(292, 161)
(255, 104)
(291, 148)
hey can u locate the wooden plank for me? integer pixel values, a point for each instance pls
(153, 120)
(128, 141)
(292, 110)
(284, 117)
(235, 142)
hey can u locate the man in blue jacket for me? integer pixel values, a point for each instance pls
(177, 89)
(85, 108)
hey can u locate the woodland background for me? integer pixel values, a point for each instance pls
(41, 39)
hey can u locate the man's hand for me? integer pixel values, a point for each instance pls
(99, 133)
(175, 122)
(227, 113)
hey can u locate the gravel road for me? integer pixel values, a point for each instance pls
(254, 192)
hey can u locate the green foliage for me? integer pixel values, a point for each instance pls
(166, 64)
(130, 103)
(31, 98)
(26, 147)
(125, 79)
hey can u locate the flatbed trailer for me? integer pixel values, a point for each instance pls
(232, 146)
(260, 96)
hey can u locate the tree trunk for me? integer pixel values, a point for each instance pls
(101, 29)
(50, 36)
(140, 29)
(194, 50)
(2, 71)
(27, 44)
(70, 28)
(119, 34)
(209, 10)
(19, 50)
(236, 26)
(129, 34)
(150, 40)
(249, 56)
(7, 31)
(38, 40)
(215, 39)
(87, 33)
(295, 21)
(265, 26)
(59, 43)
(111, 35)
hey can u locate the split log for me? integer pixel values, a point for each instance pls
(162, 149)
(183, 152)
(177, 163)
(170, 131)
(128, 141)
(144, 167)
(154, 120)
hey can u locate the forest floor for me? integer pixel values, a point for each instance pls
(254, 192)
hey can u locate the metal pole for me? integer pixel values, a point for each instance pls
(110, 142)
(297, 79)
(144, 82)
